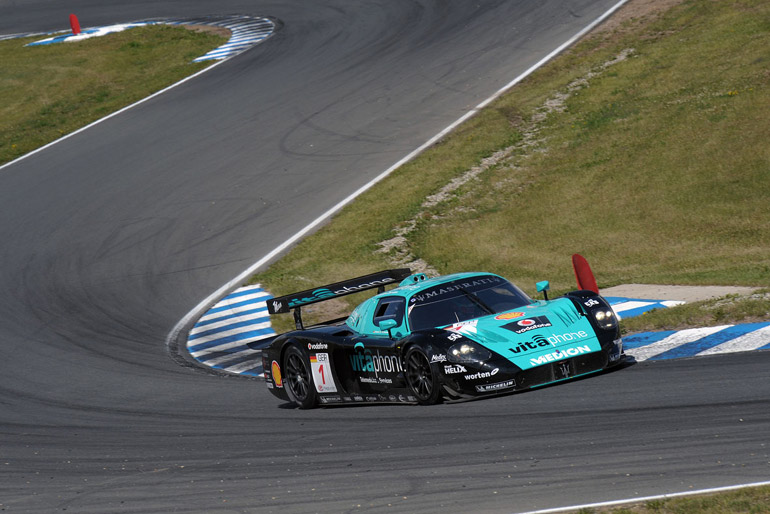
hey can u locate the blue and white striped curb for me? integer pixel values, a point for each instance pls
(696, 342)
(686, 343)
(3, 37)
(630, 307)
(246, 31)
(227, 337)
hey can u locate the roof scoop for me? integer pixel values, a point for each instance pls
(414, 279)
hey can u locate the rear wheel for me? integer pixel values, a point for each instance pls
(420, 377)
(298, 380)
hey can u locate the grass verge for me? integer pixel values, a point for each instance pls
(51, 90)
(642, 148)
(749, 500)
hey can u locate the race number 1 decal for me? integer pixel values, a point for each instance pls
(322, 373)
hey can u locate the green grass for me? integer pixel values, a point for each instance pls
(656, 172)
(51, 90)
(656, 169)
(750, 500)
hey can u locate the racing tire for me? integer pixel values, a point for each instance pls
(421, 377)
(298, 380)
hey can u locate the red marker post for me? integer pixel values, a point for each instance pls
(583, 274)
(75, 24)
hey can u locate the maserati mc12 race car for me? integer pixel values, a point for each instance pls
(452, 337)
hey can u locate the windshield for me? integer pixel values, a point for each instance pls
(463, 299)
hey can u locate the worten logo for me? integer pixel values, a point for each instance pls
(324, 292)
(364, 360)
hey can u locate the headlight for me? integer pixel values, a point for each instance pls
(468, 353)
(606, 318)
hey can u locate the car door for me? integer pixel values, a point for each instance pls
(370, 358)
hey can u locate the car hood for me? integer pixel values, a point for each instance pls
(535, 334)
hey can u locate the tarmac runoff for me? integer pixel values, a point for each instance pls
(229, 336)
(684, 294)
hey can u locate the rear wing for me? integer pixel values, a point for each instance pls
(379, 280)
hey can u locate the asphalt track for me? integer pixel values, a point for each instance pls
(112, 236)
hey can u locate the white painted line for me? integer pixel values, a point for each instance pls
(744, 343)
(673, 341)
(627, 306)
(97, 122)
(240, 278)
(646, 498)
(253, 287)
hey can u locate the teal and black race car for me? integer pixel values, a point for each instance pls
(452, 337)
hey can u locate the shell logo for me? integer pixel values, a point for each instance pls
(276, 370)
(509, 315)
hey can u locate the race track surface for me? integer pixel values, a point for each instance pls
(110, 237)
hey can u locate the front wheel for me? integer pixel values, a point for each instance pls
(298, 380)
(420, 377)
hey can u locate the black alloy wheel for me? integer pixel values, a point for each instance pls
(421, 378)
(298, 380)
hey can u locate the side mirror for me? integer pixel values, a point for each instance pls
(543, 287)
(387, 324)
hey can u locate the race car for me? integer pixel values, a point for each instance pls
(452, 337)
